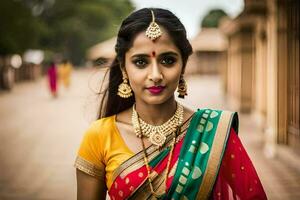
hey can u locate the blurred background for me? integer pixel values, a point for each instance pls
(53, 55)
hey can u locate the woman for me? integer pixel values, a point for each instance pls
(65, 70)
(145, 145)
(52, 79)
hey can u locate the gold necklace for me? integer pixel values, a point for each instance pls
(149, 177)
(157, 134)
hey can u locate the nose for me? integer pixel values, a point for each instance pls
(155, 74)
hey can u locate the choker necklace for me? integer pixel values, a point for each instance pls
(157, 134)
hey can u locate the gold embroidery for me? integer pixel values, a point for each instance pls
(172, 172)
(88, 167)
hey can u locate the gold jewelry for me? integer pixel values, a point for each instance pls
(124, 89)
(182, 87)
(149, 175)
(157, 134)
(153, 31)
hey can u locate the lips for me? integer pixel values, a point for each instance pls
(156, 89)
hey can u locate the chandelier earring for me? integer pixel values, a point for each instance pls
(182, 87)
(124, 89)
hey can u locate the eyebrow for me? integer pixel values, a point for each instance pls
(162, 54)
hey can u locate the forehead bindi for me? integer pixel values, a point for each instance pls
(143, 45)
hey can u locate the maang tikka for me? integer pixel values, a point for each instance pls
(182, 87)
(124, 89)
(153, 31)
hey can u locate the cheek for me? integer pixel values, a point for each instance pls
(175, 82)
(174, 75)
(135, 79)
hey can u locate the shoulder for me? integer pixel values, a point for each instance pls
(208, 113)
(95, 137)
(214, 111)
(223, 117)
(187, 113)
(100, 128)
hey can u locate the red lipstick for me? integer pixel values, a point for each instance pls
(156, 89)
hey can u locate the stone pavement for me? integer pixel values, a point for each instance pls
(40, 136)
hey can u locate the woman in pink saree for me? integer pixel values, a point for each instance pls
(52, 79)
(146, 145)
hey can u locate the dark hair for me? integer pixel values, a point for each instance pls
(135, 23)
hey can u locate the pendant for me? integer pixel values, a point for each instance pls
(157, 138)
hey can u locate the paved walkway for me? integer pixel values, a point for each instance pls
(40, 136)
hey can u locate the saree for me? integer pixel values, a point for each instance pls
(52, 78)
(200, 167)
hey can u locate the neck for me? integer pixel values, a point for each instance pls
(156, 114)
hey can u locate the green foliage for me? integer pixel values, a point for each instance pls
(19, 30)
(211, 20)
(66, 27)
(75, 25)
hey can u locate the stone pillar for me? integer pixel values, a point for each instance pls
(259, 109)
(247, 65)
(234, 71)
(241, 62)
(240, 66)
(282, 66)
(272, 89)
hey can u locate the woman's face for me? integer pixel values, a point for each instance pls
(153, 68)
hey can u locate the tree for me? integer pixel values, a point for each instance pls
(76, 25)
(19, 30)
(211, 20)
(66, 27)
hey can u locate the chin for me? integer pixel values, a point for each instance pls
(159, 99)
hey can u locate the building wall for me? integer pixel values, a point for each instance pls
(293, 72)
(206, 62)
(263, 69)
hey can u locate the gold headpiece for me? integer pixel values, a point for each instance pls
(153, 31)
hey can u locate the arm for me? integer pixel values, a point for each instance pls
(90, 167)
(89, 187)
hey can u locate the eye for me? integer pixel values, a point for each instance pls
(168, 60)
(140, 62)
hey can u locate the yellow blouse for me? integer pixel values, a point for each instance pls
(102, 150)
